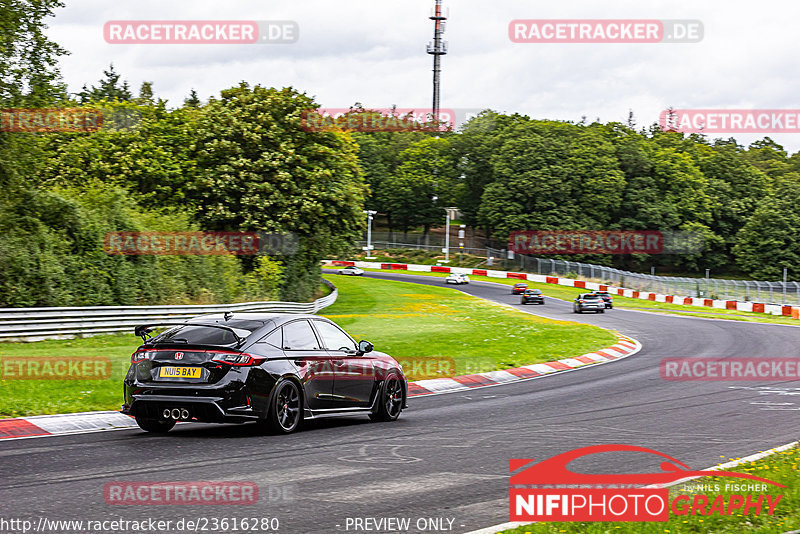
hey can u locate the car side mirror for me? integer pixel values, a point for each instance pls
(365, 346)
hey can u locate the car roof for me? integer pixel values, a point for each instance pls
(242, 317)
(521, 284)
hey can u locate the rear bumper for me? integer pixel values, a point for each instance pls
(228, 402)
(201, 409)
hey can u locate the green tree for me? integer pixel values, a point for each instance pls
(259, 170)
(480, 138)
(769, 157)
(379, 158)
(192, 101)
(151, 157)
(29, 75)
(769, 242)
(551, 175)
(424, 183)
(109, 88)
(145, 94)
(51, 254)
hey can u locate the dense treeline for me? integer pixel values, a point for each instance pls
(242, 161)
(509, 172)
(239, 162)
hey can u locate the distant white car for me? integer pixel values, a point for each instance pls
(457, 279)
(352, 270)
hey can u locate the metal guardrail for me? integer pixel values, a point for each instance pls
(34, 324)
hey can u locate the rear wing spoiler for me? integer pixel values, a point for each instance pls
(144, 330)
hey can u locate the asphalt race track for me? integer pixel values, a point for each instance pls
(447, 456)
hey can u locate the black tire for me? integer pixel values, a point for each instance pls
(286, 409)
(156, 426)
(611, 307)
(390, 399)
(602, 311)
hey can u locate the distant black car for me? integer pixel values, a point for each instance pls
(273, 369)
(607, 298)
(519, 288)
(589, 302)
(532, 295)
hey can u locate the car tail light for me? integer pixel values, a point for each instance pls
(580, 301)
(142, 355)
(238, 359)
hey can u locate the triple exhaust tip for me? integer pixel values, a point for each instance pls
(176, 413)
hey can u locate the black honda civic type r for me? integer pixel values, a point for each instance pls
(272, 369)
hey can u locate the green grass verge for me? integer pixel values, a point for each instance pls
(407, 320)
(402, 319)
(782, 467)
(34, 397)
(569, 294)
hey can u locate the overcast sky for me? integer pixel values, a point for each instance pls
(373, 52)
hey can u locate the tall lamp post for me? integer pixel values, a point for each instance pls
(369, 246)
(451, 214)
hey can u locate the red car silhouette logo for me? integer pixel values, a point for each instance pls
(554, 470)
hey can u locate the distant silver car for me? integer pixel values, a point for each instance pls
(589, 302)
(352, 270)
(454, 278)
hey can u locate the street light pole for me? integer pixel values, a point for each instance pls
(447, 237)
(451, 212)
(368, 248)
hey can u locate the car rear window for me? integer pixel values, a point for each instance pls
(591, 297)
(201, 335)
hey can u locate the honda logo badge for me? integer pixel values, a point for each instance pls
(178, 355)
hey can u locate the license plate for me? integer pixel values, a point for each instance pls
(180, 372)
